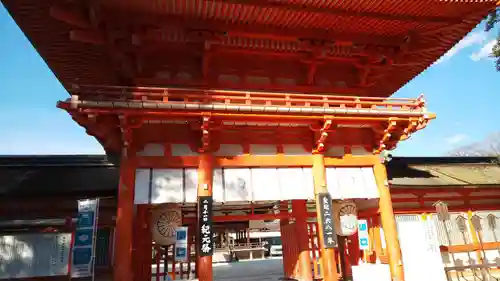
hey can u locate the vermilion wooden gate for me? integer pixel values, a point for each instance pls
(165, 264)
(314, 249)
(290, 250)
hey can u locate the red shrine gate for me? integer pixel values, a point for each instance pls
(260, 168)
(224, 99)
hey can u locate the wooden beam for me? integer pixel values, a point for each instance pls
(254, 161)
(49, 214)
(70, 16)
(469, 247)
(431, 209)
(405, 189)
(153, 81)
(289, 55)
(56, 203)
(88, 36)
(447, 198)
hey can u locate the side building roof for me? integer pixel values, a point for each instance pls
(96, 175)
(443, 171)
(49, 175)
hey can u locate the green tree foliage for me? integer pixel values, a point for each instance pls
(491, 21)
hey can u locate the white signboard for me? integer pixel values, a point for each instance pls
(181, 244)
(83, 258)
(34, 255)
(364, 242)
(371, 272)
(420, 249)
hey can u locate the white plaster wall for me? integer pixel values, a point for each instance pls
(233, 185)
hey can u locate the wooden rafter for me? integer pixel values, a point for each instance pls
(128, 64)
(279, 23)
(216, 27)
(296, 7)
(209, 33)
(221, 28)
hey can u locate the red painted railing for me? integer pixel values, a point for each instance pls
(241, 98)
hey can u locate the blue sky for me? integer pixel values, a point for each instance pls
(460, 88)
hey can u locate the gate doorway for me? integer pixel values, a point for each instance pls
(246, 243)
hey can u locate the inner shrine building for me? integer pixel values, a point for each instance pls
(276, 109)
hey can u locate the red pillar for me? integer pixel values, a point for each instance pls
(299, 211)
(205, 174)
(354, 252)
(287, 265)
(389, 223)
(142, 244)
(377, 242)
(328, 258)
(124, 220)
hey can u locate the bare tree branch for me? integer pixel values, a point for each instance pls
(488, 147)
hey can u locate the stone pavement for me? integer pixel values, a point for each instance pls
(255, 270)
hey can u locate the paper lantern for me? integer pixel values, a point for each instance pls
(165, 219)
(346, 217)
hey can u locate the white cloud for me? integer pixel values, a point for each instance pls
(458, 138)
(472, 39)
(485, 51)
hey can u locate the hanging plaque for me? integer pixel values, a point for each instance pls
(165, 219)
(326, 216)
(346, 217)
(205, 243)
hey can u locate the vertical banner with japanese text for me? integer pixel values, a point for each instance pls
(83, 254)
(326, 216)
(205, 244)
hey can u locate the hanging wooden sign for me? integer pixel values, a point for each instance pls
(165, 219)
(346, 217)
(205, 232)
(326, 216)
